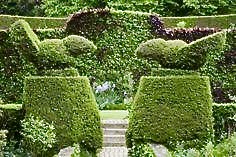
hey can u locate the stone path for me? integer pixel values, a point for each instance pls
(114, 138)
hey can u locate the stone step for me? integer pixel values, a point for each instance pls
(115, 124)
(114, 144)
(114, 138)
(108, 131)
(114, 152)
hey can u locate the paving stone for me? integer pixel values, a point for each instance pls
(160, 150)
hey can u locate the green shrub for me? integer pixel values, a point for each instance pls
(172, 109)
(224, 149)
(62, 72)
(10, 117)
(2, 141)
(67, 102)
(163, 51)
(141, 149)
(77, 45)
(38, 136)
(224, 120)
(53, 55)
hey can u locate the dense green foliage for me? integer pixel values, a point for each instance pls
(53, 55)
(20, 7)
(176, 7)
(69, 103)
(18, 49)
(10, 117)
(224, 149)
(171, 109)
(141, 149)
(23, 54)
(177, 54)
(60, 8)
(224, 120)
(51, 33)
(2, 141)
(38, 136)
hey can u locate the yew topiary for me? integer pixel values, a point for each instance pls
(77, 45)
(180, 55)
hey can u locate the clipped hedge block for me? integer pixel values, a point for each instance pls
(53, 55)
(69, 103)
(77, 45)
(61, 72)
(224, 120)
(172, 109)
(172, 72)
(10, 117)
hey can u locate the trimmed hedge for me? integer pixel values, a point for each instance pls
(63, 73)
(18, 49)
(69, 103)
(35, 22)
(10, 117)
(172, 109)
(172, 72)
(219, 21)
(224, 120)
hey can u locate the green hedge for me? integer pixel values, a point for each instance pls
(172, 72)
(50, 33)
(224, 120)
(63, 73)
(35, 22)
(219, 21)
(69, 103)
(172, 109)
(18, 49)
(10, 117)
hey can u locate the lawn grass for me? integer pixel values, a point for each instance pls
(113, 114)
